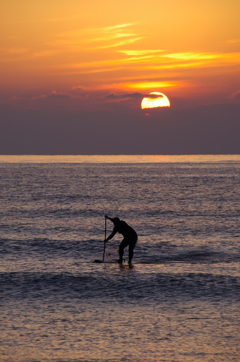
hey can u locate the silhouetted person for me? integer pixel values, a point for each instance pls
(129, 237)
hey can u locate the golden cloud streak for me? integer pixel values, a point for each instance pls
(191, 56)
(139, 52)
(203, 56)
(101, 64)
(153, 62)
(129, 41)
(151, 85)
(172, 66)
(94, 35)
(120, 26)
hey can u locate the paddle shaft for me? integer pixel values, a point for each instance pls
(105, 236)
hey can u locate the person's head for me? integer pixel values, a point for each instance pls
(116, 220)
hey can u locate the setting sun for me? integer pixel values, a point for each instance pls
(155, 100)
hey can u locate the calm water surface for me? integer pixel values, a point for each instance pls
(181, 300)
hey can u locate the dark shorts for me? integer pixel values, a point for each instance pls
(131, 242)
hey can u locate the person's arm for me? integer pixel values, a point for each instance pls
(109, 218)
(112, 234)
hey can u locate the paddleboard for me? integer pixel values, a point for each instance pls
(106, 262)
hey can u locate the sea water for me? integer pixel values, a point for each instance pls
(179, 302)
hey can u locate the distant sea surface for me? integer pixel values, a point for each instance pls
(180, 302)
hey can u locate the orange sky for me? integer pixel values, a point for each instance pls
(189, 50)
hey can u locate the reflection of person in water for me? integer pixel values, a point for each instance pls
(129, 237)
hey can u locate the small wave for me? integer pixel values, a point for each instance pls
(124, 287)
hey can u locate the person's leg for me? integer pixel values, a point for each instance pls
(130, 256)
(130, 251)
(123, 245)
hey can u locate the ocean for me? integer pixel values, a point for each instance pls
(180, 302)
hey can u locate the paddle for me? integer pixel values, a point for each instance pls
(105, 236)
(104, 248)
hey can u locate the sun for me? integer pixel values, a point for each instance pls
(155, 100)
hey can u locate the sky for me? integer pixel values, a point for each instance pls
(73, 75)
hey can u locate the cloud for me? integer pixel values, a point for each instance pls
(120, 26)
(135, 95)
(106, 37)
(139, 52)
(54, 94)
(205, 57)
(192, 56)
(81, 87)
(124, 96)
(152, 84)
(235, 96)
(48, 100)
(124, 42)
